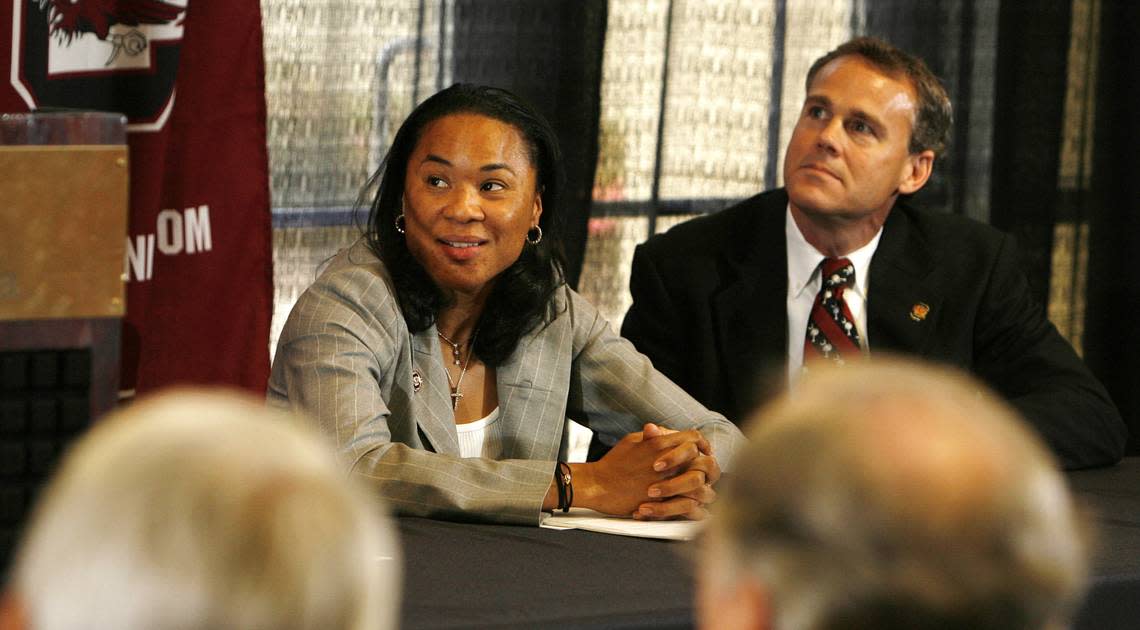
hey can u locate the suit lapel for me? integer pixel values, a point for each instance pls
(903, 307)
(750, 313)
(437, 422)
(532, 386)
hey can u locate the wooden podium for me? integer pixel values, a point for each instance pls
(63, 229)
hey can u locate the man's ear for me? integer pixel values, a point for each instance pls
(916, 172)
(745, 605)
(12, 615)
(753, 597)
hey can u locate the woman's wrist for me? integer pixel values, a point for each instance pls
(584, 485)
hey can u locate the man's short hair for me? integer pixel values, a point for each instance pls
(195, 510)
(934, 115)
(896, 495)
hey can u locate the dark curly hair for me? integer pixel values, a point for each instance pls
(522, 297)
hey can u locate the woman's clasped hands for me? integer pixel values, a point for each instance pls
(653, 474)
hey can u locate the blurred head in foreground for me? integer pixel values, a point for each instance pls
(196, 510)
(894, 495)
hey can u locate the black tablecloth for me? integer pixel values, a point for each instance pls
(494, 576)
(1114, 496)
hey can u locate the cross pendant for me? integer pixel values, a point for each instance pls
(455, 396)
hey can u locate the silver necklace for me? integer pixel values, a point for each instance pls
(456, 394)
(455, 346)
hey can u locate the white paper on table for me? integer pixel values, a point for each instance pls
(582, 518)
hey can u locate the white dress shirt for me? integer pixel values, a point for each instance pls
(804, 282)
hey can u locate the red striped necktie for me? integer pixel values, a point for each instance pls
(831, 332)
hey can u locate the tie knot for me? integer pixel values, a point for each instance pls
(837, 272)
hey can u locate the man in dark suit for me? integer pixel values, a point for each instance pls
(722, 300)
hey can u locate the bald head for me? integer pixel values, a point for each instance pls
(895, 494)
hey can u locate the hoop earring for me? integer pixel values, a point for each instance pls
(531, 237)
(400, 224)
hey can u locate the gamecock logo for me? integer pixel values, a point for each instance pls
(107, 55)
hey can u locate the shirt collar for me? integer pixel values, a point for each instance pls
(804, 259)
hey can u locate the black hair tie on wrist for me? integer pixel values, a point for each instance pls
(565, 485)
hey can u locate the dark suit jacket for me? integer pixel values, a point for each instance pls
(709, 309)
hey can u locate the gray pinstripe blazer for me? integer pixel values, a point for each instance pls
(346, 358)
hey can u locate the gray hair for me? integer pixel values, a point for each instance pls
(196, 510)
(897, 495)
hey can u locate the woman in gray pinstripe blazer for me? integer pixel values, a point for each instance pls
(443, 352)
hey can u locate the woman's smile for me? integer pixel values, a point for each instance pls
(461, 249)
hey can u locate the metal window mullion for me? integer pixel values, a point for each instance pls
(655, 190)
(776, 93)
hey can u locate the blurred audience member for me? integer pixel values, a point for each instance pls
(195, 510)
(893, 496)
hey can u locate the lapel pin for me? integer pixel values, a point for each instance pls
(417, 382)
(919, 311)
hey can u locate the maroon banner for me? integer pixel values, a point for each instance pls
(189, 75)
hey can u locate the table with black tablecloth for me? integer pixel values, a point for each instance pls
(461, 575)
(1114, 496)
